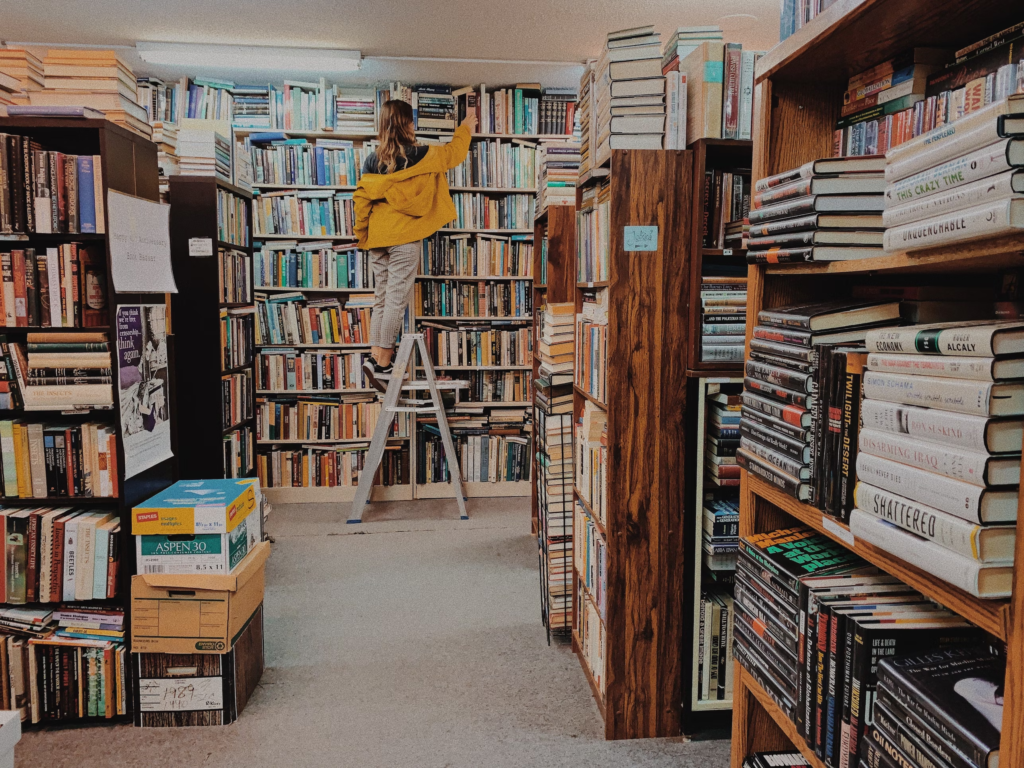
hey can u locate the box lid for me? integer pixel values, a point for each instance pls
(196, 506)
(230, 582)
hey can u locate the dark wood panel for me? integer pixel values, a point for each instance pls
(803, 116)
(561, 253)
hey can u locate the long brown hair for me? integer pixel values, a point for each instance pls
(396, 133)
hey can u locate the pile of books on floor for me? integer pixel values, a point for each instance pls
(825, 210)
(784, 417)
(629, 101)
(938, 466)
(723, 437)
(559, 169)
(355, 109)
(952, 186)
(25, 67)
(203, 150)
(813, 622)
(98, 79)
(714, 646)
(723, 308)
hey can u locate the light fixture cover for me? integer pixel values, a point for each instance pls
(249, 57)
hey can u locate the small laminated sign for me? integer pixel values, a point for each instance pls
(640, 238)
(200, 246)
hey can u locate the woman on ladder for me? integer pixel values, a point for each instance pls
(401, 199)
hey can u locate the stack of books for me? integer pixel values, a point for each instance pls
(556, 346)
(723, 307)
(719, 86)
(203, 151)
(775, 759)
(557, 111)
(714, 646)
(920, 714)
(26, 68)
(953, 186)
(585, 109)
(165, 136)
(99, 79)
(559, 169)
(825, 210)
(250, 106)
(434, 107)
(719, 543)
(356, 110)
(781, 401)
(630, 96)
(64, 371)
(722, 440)
(938, 466)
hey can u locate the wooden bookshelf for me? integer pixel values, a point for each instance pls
(197, 307)
(798, 94)
(647, 493)
(128, 165)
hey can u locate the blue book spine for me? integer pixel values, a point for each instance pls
(321, 166)
(86, 196)
(902, 75)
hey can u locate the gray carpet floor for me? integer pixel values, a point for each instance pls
(411, 641)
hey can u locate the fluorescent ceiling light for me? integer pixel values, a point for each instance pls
(249, 57)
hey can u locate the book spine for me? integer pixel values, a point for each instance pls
(765, 421)
(773, 227)
(746, 96)
(947, 367)
(794, 449)
(968, 432)
(970, 397)
(781, 377)
(952, 174)
(796, 207)
(798, 188)
(969, 195)
(791, 414)
(943, 493)
(780, 255)
(778, 393)
(966, 466)
(772, 475)
(86, 196)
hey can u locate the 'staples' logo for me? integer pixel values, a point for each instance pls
(147, 517)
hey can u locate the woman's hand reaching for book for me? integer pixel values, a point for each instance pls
(471, 121)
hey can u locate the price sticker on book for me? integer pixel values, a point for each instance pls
(640, 238)
(200, 246)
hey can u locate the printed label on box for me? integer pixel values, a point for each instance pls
(182, 694)
(210, 519)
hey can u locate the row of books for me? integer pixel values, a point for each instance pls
(60, 553)
(290, 264)
(592, 345)
(477, 255)
(478, 346)
(485, 298)
(232, 218)
(715, 632)
(720, 522)
(723, 308)
(308, 370)
(59, 287)
(237, 337)
(813, 622)
(925, 88)
(721, 439)
(727, 196)
(234, 279)
(556, 178)
(239, 448)
(497, 163)
(794, 14)
(312, 418)
(719, 88)
(49, 459)
(277, 159)
(236, 398)
(48, 191)
(474, 210)
(591, 459)
(483, 457)
(288, 319)
(593, 234)
(590, 559)
(328, 466)
(306, 213)
(493, 387)
(592, 635)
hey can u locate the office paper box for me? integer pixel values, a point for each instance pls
(196, 506)
(186, 689)
(199, 553)
(196, 614)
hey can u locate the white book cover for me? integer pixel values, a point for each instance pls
(977, 338)
(944, 493)
(944, 366)
(972, 397)
(70, 559)
(672, 110)
(952, 568)
(747, 61)
(996, 158)
(1004, 217)
(53, 285)
(956, 138)
(957, 463)
(85, 557)
(681, 135)
(977, 193)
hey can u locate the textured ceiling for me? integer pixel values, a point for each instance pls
(506, 30)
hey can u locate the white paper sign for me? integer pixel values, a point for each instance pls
(182, 694)
(140, 244)
(200, 246)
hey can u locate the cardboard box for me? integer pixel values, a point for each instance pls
(196, 506)
(199, 553)
(196, 614)
(176, 690)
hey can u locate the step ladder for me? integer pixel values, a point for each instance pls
(394, 404)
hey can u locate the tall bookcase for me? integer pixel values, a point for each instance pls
(129, 166)
(798, 94)
(641, 634)
(202, 251)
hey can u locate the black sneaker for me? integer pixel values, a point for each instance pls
(378, 376)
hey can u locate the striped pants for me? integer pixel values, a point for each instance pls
(394, 275)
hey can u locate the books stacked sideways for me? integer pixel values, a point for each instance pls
(45, 459)
(629, 102)
(72, 371)
(24, 67)
(356, 110)
(434, 107)
(99, 79)
(952, 186)
(784, 417)
(722, 440)
(203, 151)
(714, 647)
(723, 307)
(165, 136)
(812, 623)
(559, 169)
(59, 554)
(250, 106)
(721, 528)
(775, 759)
(938, 708)
(938, 466)
(825, 210)
(556, 342)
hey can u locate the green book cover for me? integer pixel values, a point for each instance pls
(793, 553)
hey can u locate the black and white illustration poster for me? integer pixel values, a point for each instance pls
(142, 385)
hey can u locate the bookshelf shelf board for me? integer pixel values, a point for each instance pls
(990, 615)
(308, 134)
(233, 305)
(229, 244)
(292, 289)
(340, 441)
(703, 369)
(844, 40)
(475, 490)
(60, 500)
(593, 174)
(500, 190)
(540, 286)
(526, 136)
(51, 329)
(24, 237)
(496, 404)
(594, 519)
(723, 251)
(784, 724)
(712, 705)
(257, 236)
(446, 230)
(339, 187)
(239, 369)
(313, 346)
(986, 255)
(587, 396)
(472, 318)
(239, 425)
(313, 391)
(475, 278)
(483, 367)
(597, 284)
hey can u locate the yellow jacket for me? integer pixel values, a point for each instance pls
(406, 206)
